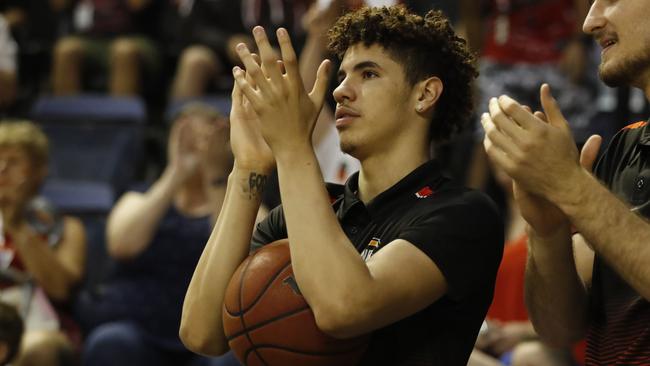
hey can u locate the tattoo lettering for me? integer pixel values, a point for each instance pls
(256, 184)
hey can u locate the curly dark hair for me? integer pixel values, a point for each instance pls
(425, 46)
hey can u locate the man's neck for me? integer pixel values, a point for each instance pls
(379, 173)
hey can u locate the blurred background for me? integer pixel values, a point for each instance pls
(106, 81)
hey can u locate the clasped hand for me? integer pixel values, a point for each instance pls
(275, 92)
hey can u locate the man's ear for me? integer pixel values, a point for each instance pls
(428, 92)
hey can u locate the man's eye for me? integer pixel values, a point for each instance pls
(369, 75)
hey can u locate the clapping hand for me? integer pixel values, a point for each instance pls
(274, 89)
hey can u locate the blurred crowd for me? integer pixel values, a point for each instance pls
(172, 54)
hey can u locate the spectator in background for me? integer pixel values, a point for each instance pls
(522, 44)
(209, 30)
(8, 76)
(203, 33)
(43, 254)
(11, 332)
(35, 25)
(157, 236)
(34, 20)
(110, 34)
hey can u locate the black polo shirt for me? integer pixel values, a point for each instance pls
(620, 317)
(458, 228)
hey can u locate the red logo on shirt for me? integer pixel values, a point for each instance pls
(424, 192)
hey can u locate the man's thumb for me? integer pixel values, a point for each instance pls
(589, 152)
(320, 86)
(551, 109)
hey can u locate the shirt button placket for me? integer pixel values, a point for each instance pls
(640, 183)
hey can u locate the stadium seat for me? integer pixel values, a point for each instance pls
(78, 197)
(89, 108)
(95, 147)
(220, 102)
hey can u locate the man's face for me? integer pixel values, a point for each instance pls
(622, 30)
(373, 100)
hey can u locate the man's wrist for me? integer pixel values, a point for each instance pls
(572, 192)
(295, 154)
(251, 183)
(548, 247)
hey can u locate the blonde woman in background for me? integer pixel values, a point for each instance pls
(42, 254)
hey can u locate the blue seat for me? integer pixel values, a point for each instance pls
(77, 197)
(222, 103)
(96, 144)
(89, 108)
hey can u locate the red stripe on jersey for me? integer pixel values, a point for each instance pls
(635, 125)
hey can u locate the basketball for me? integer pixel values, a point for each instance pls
(268, 322)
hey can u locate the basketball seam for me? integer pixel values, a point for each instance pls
(262, 324)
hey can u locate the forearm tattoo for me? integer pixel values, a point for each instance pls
(256, 184)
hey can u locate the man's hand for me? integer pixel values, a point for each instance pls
(544, 217)
(250, 150)
(233, 41)
(286, 111)
(538, 152)
(540, 155)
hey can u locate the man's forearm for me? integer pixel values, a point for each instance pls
(616, 233)
(201, 324)
(555, 296)
(319, 247)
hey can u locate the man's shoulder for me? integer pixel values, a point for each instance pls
(633, 133)
(623, 147)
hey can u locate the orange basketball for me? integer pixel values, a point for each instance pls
(268, 322)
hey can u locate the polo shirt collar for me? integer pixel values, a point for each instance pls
(645, 135)
(407, 186)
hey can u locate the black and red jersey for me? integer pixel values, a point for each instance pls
(620, 317)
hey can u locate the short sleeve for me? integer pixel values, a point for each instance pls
(270, 229)
(274, 226)
(465, 240)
